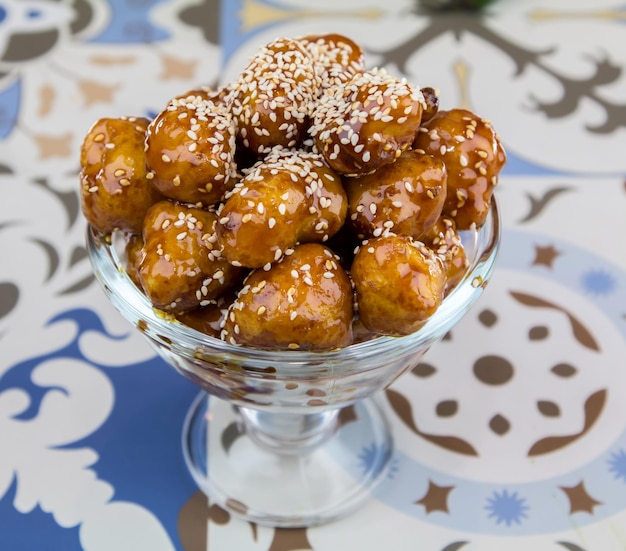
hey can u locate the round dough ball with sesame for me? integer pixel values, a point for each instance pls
(181, 267)
(366, 123)
(336, 58)
(404, 197)
(399, 284)
(115, 192)
(302, 302)
(473, 155)
(190, 149)
(208, 319)
(444, 239)
(287, 198)
(273, 97)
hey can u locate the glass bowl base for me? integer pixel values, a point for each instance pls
(248, 473)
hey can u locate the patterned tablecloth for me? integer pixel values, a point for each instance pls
(511, 436)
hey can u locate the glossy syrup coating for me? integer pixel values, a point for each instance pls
(216, 95)
(431, 103)
(473, 155)
(444, 239)
(273, 96)
(399, 284)
(366, 123)
(336, 58)
(190, 148)
(287, 198)
(115, 192)
(404, 197)
(302, 302)
(134, 254)
(181, 267)
(208, 319)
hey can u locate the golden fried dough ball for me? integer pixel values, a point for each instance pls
(336, 58)
(444, 239)
(273, 97)
(190, 148)
(399, 284)
(134, 254)
(115, 193)
(302, 302)
(473, 155)
(405, 197)
(366, 123)
(216, 95)
(431, 103)
(287, 198)
(181, 267)
(208, 319)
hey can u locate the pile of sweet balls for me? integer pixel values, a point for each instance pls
(310, 204)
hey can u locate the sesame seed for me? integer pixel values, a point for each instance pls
(181, 236)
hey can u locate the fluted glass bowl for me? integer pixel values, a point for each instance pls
(289, 438)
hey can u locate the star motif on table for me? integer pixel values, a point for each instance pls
(579, 498)
(174, 67)
(435, 498)
(545, 256)
(54, 146)
(96, 92)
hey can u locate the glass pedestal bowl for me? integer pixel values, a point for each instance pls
(289, 438)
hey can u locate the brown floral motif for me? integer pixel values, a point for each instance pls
(538, 204)
(54, 146)
(456, 546)
(404, 410)
(176, 68)
(96, 92)
(592, 408)
(581, 334)
(292, 539)
(575, 91)
(192, 523)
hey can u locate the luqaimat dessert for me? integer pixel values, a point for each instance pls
(309, 204)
